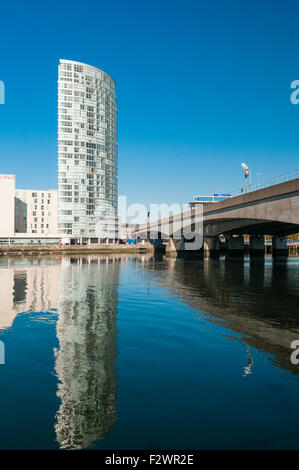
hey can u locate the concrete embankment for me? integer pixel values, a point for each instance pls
(27, 250)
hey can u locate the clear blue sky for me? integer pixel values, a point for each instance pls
(201, 87)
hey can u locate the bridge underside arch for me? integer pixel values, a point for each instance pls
(228, 226)
(249, 227)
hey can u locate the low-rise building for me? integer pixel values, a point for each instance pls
(208, 199)
(36, 212)
(27, 216)
(7, 205)
(126, 231)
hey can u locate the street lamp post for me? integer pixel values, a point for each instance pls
(246, 175)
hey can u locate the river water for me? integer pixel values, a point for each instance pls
(137, 353)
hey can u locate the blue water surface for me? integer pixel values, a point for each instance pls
(136, 353)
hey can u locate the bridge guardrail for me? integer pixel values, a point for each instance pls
(291, 175)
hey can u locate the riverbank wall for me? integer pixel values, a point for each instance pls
(9, 250)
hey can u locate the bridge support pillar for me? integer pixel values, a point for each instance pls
(178, 248)
(211, 246)
(257, 245)
(173, 248)
(236, 245)
(279, 246)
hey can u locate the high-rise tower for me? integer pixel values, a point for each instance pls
(87, 153)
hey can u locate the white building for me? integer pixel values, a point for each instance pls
(7, 204)
(27, 215)
(126, 231)
(87, 153)
(36, 212)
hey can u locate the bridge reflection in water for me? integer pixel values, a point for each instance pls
(256, 298)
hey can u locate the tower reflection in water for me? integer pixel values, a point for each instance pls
(85, 360)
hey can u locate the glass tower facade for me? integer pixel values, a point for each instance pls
(87, 152)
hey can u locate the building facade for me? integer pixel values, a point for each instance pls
(126, 231)
(36, 212)
(7, 205)
(27, 216)
(208, 199)
(87, 153)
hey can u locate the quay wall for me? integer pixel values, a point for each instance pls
(9, 250)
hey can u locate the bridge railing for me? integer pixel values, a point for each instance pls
(291, 175)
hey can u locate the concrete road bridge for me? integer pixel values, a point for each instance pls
(273, 210)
